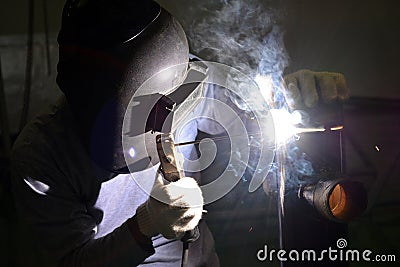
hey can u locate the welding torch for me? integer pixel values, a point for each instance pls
(160, 120)
(172, 170)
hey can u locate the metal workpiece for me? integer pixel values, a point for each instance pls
(336, 200)
(170, 164)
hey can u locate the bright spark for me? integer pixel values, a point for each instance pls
(309, 130)
(337, 128)
(285, 128)
(377, 148)
(285, 125)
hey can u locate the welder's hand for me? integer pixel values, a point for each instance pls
(172, 209)
(305, 88)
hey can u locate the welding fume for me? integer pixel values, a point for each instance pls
(110, 174)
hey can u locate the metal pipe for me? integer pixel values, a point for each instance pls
(336, 200)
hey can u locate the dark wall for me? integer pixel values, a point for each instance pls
(14, 16)
(359, 38)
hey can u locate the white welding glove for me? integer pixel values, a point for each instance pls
(305, 88)
(172, 209)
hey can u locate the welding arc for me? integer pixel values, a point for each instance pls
(226, 137)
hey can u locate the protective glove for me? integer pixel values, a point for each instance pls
(172, 209)
(305, 88)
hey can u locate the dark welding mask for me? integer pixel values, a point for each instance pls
(159, 113)
(110, 49)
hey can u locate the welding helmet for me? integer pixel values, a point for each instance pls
(107, 50)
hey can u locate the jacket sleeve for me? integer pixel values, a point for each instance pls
(60, 222)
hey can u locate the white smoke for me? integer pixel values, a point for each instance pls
(248, 36)
(243, 34)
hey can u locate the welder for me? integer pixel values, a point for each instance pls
(72, 187)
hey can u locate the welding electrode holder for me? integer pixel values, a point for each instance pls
(172, 171)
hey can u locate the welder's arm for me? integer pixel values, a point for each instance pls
(305, 88)
(63, 228)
